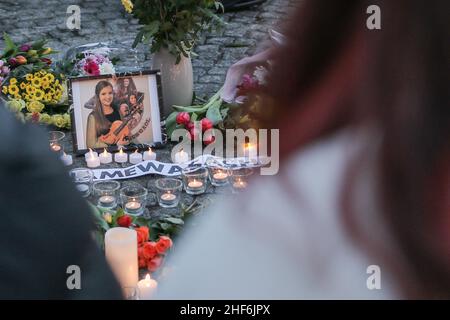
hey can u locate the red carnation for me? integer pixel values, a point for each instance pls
(92, 68)
(124, 221)
(183, 118)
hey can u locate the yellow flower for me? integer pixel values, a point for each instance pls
(29, 77)
(35, 106)
(45, 84)
(12, 81)
(56, 81)
(67, 120)
(22, 85)
(42, 72)
(50, 77)
(17, 96)
(15, 105)
(30, 89)
(107, 217)
(13, 89)
(48, 97)
(45, 118)
(58, 120)
(47, 51)
(5, 89)
(39, 94)
(36, 82)
(128, 5)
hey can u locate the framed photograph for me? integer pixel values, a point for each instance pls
(121, 110)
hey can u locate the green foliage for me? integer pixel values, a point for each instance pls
(174, 24)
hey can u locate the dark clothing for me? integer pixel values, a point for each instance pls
(45, 225)
(114, 116)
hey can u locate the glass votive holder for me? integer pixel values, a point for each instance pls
(106, 193)
(55, 138)
(83, 180)
(239, 178)
(218, 175)
(133, 199)
(195, 180)
(168, 192)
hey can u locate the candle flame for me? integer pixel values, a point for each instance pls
(105, 152)
(136, 151)
(147, 277)
(149, 150)
(64, 154)
(121, 152)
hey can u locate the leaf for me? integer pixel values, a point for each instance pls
(142, 222)
(165, 226)
(213, 112)
(171, 123)
(9, 44)
(175, 220)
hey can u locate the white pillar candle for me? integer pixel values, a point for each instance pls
(93, 161)
(181, 156)
(147, 288)
(105, 157)
(149, 155)
(67, 159)
(121, 156)
(135, 157)
(121, 254)
(90, 154)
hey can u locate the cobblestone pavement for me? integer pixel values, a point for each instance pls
(103, 20)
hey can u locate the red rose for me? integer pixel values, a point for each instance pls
(92, 68)
(163, 244)
(155, 263)
(183, 118)
(124, 221)
(142, 234)
(149, 250)
(206, 124)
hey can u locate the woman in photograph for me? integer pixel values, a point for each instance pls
(124, 88)
(103, 115)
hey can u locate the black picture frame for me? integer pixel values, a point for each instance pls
(80, 146)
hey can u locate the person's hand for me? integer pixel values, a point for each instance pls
(237, 70)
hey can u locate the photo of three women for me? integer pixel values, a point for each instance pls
(116, 110)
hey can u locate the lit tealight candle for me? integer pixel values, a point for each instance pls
(121, 156)
(195, 184)
(133, 205)
(93, 161)
(220, 175)
(135, 157)
(55, 147)
(147, 288)
(105, 157)
(168, 196)
(67, 159)
(181, 156)
(149, 155)
(239, 184)
(107, 201)
(90, 154)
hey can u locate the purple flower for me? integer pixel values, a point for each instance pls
(5, 70)
(12, 62)
(2, 63)
(25, 47)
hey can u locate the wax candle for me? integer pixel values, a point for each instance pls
(168, 196)
(181, 156)
(121, 156)
(93, 161)
(105, 157)
(107, 201)
(250, 151)
(121, 254)
(55, 147)
(220, 175)
(67, 159)
(90, 154)
(135, 157)
(149, 155)
(195, 184)
(239, 184)
(132, 206)
(147, 288)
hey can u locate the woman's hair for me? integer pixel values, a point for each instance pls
(102, 124)
(122, 90)
(334, 73)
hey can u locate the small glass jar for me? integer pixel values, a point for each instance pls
(218, 175)
(239, 178)
(55, 138)
(195, 180)
(106, 193)
(168, 192)
(83, 180)
(133, 199)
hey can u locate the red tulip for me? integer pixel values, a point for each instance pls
(124, 221)
(206, 124)
(183, 118)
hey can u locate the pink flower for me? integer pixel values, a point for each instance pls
(248, 83)
(25, 47)
(91, 68)
(5, 70)
(183, 118)
(206, 124)
(35, 117)
(155, 263)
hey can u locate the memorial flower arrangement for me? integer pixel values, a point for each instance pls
(243, 112)
(172, 24)
(33, 90)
